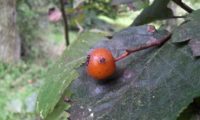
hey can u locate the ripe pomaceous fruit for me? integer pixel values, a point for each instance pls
(100, 64)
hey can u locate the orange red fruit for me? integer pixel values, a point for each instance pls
(100, 64)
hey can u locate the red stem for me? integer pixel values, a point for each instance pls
(149, 44)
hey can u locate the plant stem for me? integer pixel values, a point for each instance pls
(149, 44)
(183, 5)
(175, 17)
(62, 4)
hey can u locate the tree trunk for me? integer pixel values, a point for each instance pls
(9, 39)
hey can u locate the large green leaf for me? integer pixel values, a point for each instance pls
(154, 84)
(157, 11)
(60, 75)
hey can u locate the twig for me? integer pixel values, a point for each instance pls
(175, 17)
(149, 44)
(183, 5)
(81, 29)
(62, 4)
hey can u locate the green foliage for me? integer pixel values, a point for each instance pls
(34, 29)
(28, 25)
(135, 4)
(86, 12)
(19, 85)
(60, 76)
(193, 1)
(101, 7)
(26, 20)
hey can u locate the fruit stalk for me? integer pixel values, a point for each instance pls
(151, 43)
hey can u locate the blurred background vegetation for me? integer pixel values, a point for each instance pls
(43, 41)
